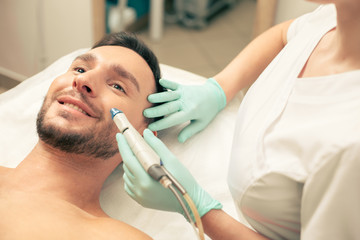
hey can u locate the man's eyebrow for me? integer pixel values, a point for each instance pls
(119, 70)
(87, 57)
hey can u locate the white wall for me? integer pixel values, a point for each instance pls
(19, 36)
(67, 26)
(288, 9)
(34, 33)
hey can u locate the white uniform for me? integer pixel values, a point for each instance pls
(295, 163)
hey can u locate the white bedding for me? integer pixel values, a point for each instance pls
(206, 155)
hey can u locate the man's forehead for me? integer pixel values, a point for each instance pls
(111, 50)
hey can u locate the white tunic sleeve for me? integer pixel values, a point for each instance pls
(330, 203)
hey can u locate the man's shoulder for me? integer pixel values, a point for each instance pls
(119, 230)
(4, 171)
(2, 168)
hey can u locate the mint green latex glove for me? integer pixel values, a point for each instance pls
(150, 193)
(197, 103)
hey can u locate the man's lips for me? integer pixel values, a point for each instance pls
(76, 108)
(77, 105)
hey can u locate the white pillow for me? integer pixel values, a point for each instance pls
(206, 154)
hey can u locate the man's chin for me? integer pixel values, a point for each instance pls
(76, 138)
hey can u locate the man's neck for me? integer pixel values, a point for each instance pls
(76, 179)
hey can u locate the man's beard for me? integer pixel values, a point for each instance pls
(96, 143)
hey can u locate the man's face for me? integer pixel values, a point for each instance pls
(75, 116)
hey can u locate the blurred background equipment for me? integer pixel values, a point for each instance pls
(35, 33)
(194, 13)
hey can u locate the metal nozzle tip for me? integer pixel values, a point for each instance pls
(114, 111)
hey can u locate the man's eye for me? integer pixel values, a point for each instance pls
(79, 70)
(118, 87)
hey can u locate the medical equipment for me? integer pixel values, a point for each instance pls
(195, 13)
(152, 165)
(144, 153)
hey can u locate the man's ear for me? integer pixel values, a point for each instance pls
(154, 132)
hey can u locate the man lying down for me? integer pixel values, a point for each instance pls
(54, 192)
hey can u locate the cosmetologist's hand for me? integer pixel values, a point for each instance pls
(197, 103)
(150, 193)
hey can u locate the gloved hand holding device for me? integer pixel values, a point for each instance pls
(197, 103)
(150, 193)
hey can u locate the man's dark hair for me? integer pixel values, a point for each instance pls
(129, 40)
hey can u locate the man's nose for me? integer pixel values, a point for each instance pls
(85, 83)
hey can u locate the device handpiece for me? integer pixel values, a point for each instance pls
(150, 161)
(144, 153)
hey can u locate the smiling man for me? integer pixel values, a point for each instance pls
(54, 192)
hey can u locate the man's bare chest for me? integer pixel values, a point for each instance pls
(28, 216)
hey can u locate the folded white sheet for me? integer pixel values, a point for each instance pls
(206, 155)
